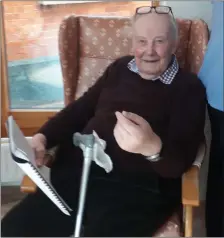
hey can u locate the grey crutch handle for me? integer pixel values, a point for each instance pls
(87, 140)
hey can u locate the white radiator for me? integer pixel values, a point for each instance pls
(11, 174)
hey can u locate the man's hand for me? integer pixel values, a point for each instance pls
(38, 143)
(134, 134)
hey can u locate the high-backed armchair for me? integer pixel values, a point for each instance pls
(88, 44)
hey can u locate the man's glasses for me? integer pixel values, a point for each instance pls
(158, 10)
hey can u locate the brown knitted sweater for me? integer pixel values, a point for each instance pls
(176, 113)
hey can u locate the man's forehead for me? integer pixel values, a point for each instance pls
(152, 24)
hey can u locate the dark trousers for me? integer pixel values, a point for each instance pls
(215, 184)
(112, 209)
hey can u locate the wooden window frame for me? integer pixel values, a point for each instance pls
(46, 3)
(50, 3)
(28, 120)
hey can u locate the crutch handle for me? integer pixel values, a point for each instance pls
(86, 140)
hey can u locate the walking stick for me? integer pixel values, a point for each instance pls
(93, 149)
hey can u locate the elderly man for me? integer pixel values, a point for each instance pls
(151, 113)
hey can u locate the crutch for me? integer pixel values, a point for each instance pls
(93, 149)
(86, 142)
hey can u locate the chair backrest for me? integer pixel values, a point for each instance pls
(88, 44)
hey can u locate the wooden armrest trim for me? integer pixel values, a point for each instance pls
(190, 187)
(27, 185)
(190, 180)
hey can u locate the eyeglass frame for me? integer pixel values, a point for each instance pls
(150, 10)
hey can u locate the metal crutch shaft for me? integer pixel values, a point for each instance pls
(88, 141)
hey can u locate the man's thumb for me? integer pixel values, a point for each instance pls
(40, 156)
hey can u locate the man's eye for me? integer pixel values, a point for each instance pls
(142, 41)
(160, 41)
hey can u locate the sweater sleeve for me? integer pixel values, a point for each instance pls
(185, 132)
(74, 117)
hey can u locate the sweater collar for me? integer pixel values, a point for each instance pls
(167, 77)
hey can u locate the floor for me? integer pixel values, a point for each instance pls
(11, 195)
(9, 198)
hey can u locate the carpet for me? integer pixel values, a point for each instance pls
(10, 196)
(35, 82)
(5, 208)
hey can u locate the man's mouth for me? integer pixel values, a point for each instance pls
(150, 61)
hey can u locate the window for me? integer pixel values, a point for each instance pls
(32, 85)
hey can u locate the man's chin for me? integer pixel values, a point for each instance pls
(149, 75)
(152, 72)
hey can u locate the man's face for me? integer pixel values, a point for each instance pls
(153, 44)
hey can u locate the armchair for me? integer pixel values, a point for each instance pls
(86, 46)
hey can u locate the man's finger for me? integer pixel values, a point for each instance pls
(122, 131)
(123, 128)
(125, 123)
(40, 162)
(117, 137)
(134, 118)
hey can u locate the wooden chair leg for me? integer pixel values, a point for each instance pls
(188, 221)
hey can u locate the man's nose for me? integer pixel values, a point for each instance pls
(150, 48)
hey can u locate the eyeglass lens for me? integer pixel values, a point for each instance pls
(159, 9)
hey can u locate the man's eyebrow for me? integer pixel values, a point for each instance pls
(163, 37)
(143, 37)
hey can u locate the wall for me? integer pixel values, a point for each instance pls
(11, 174)
(191, 9)
(32, 31)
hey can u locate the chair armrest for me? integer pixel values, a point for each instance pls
(190, 181)
(27, 185)
(190, 187)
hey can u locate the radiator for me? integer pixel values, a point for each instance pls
(11, 174)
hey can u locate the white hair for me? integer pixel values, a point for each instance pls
(173, 26)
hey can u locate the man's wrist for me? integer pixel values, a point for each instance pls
(154, 147)
(153, 158)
